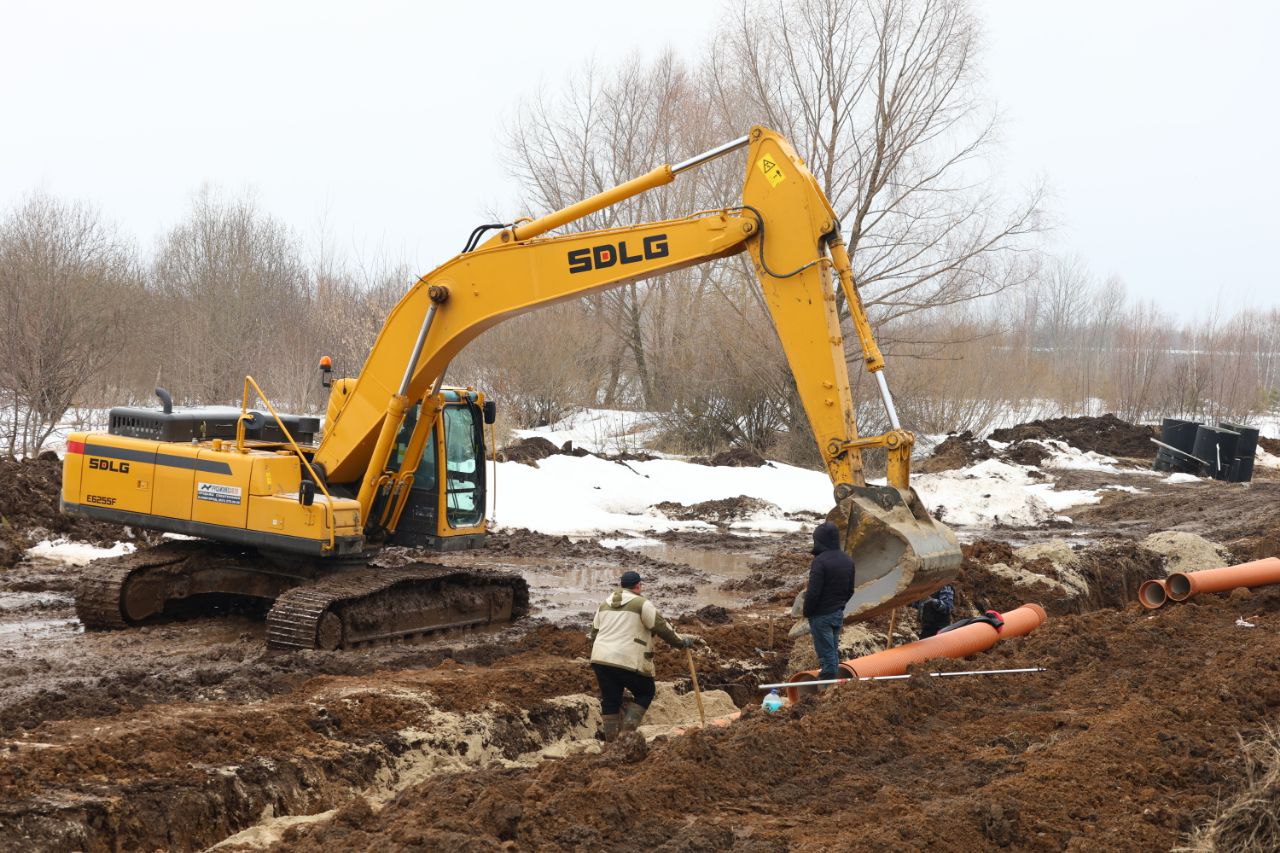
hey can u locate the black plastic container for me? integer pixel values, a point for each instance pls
(1178, 433)
(1241, 470)
(1247, 443)
(1208, 450)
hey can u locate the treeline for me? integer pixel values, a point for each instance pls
(1068, 343)
(885, 103)
(89, 322)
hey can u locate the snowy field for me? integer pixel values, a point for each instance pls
(583, 496)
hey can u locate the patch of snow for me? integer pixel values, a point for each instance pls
(770, 524)
(1179, 477)
(598, 430)
(629, 542)
(582, 496)
(77, 553)
(1263, 459)
(1068, 458)
(992, 492)
(1131, 489)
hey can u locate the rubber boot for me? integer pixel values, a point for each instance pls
(632, 716)
(612, 725)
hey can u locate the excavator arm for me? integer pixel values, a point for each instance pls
(790, 232)
(785, 225)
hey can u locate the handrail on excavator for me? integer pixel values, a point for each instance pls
(244, 413)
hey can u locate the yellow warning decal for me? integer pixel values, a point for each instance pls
(772, 173)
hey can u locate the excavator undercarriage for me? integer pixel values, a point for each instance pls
(317, 604)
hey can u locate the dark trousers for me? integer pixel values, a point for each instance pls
(826, 641)
(613, 680)
(932, 621)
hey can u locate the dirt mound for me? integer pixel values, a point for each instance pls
(720, 511)
(527, 451)
(1185, 552)
(956, 451)
(1013, 761)
(1106, 434)
(962, 450)
(994, 576)
(29, 492)
(734, 457)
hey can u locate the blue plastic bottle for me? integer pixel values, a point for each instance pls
(773, 701)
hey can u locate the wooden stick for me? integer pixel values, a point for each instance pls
(893, 617)
(697, 692)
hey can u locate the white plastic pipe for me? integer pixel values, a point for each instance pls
(899, 677)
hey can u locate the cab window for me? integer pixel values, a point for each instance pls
(464, 466)
(425, 476)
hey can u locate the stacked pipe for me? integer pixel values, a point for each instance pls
(1224, 452)
(1181, 586)
(956, 643)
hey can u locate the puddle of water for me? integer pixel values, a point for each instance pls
(32, 628)
(25, 600)
(579, 591)
(724, 564)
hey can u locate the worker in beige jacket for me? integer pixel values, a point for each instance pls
(622, 653)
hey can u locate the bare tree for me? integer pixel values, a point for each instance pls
(66, 282)
(883, 99)
(231, 280)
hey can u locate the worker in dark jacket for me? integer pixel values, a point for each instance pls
(830, 588)
(935, 611)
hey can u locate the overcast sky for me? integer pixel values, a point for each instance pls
(1154, 123)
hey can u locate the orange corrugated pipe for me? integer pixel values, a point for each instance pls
(1183, 585)
(1153, 594)
(959, 643)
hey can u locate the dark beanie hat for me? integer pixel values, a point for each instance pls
(629, 580)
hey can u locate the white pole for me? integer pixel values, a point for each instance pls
(898, 677)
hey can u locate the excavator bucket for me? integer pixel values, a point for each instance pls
(900, 553)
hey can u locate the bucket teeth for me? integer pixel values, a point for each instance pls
(900, 552)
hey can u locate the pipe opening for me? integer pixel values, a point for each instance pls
(1178, 586)
(1152, 595)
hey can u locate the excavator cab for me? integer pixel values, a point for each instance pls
(451, 518)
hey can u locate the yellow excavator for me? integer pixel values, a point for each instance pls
(263, 510)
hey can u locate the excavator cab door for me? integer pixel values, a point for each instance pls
(464, 465)
(458, 451)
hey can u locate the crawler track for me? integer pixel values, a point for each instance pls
(99, 597)
(369, 606)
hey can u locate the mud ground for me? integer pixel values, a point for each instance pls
(187, 733)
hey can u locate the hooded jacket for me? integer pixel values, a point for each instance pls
(830, 573)
(622, 632)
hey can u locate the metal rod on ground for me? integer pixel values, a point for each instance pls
(893, 617)
(697, 692)
(899, 677)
